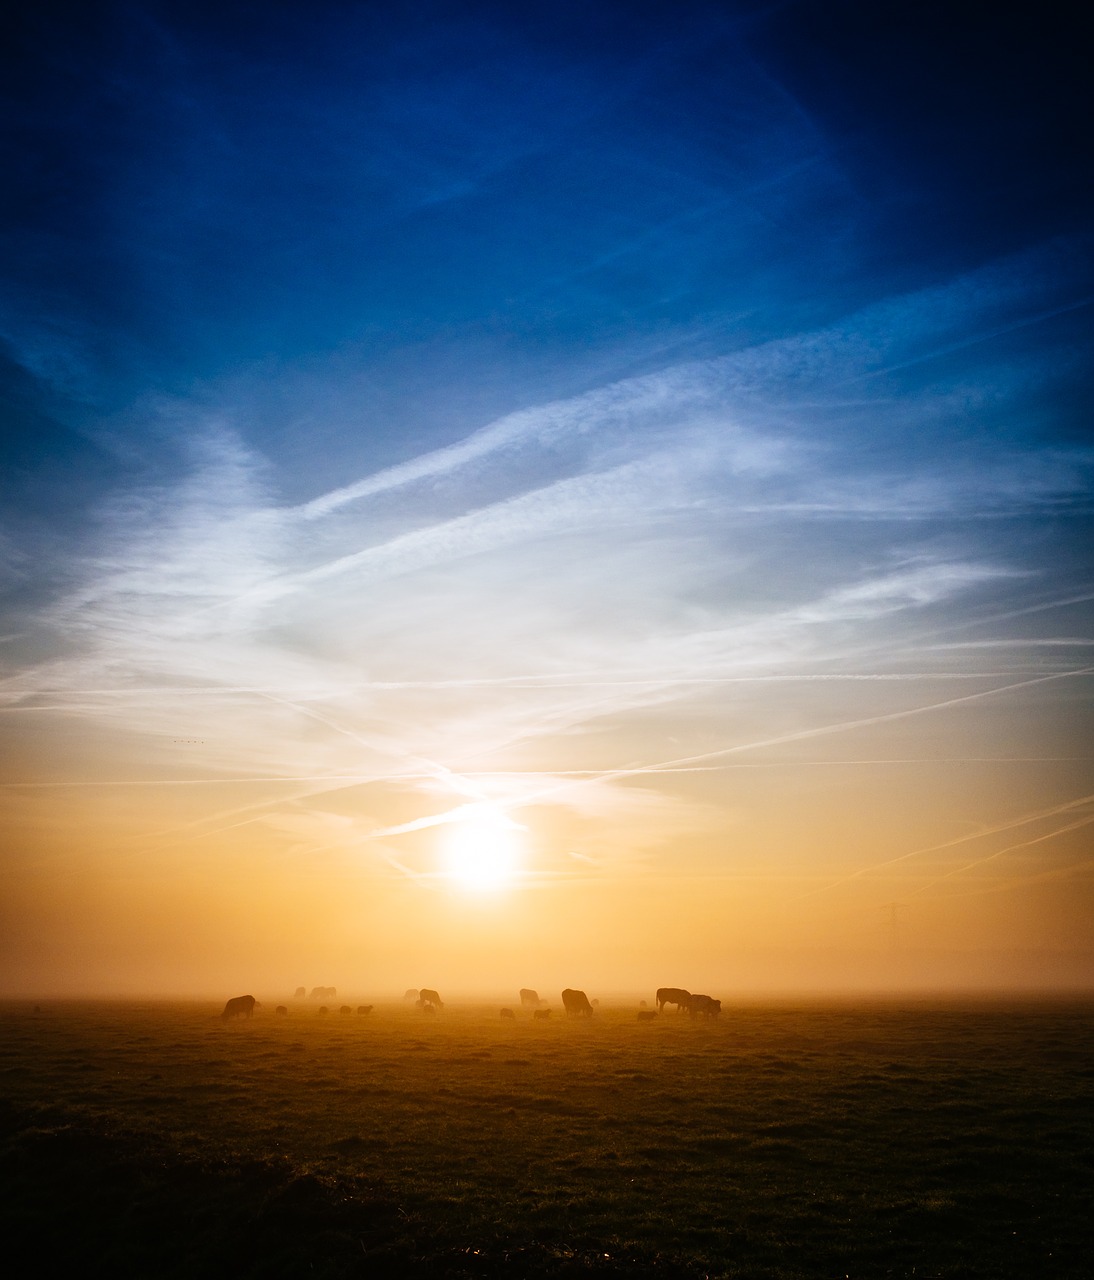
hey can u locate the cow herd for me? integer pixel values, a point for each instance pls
(685, 1002)
(576, 1004)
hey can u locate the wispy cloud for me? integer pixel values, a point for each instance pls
(567, 571)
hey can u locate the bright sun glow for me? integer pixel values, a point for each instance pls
(482, 853)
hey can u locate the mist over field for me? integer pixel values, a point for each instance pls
(749, 977)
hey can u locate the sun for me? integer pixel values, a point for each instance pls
(482, 852)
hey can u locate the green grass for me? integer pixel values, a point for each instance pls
(784, 1141)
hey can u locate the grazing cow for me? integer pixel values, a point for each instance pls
(364, 1008)
(529, 999)
(323, 1009)
(281, 1009)
(410, 994)
(576, 1004)
(430, 999)
(508, 1013)
(323, 993)
(300, 993)
(345, 1009)
(646, 1015)
(244, 1005)
(541, 1015)
(672, 995)
(704, 1006)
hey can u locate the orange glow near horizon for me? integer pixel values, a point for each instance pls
(858, 858)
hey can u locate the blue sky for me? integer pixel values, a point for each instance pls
(412, 413)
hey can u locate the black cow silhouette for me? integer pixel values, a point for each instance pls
(672, 995)
(410, 994)
(364, 1008)
(281, 1009)
(529, 999)
(430, 999)
(345, 1009)
(704, 1006)
(240, 1005)
(323, 1009)
(323, 993)
(576, 1003)
(508, 1013)
(541, 1015)
(300, 993)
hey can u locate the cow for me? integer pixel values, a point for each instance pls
(576, 1004)
(646, 1015)
(345, 1009)
(238, 1005)
(508, 1013)
(704, 1006)
(430, 999)
(300, 993)
(410, 994)
(529, 999)
(541, 1015)
(281, 1009)
(323, 993)
(323, 1009)
(672, 995)
(364, 1008)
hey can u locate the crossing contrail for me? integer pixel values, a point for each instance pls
(1036, 816)
(1022, 844)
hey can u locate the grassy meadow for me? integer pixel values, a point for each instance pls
(807, 1139)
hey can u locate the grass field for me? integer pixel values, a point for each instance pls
(790, 1140)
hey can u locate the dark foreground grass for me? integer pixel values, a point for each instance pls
(790, 1141)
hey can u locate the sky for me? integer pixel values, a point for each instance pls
(546, 494)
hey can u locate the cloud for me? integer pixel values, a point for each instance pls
(567, 573)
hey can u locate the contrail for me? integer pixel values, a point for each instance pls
(1024, 322)
(799, 735)
(1044, 607)
(365, 779)
(560, 680)
(433, 768)
(1023, 844)
(1056, 873)
(949, 844)
(440, 819)
(352, 779)
(461, 784)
